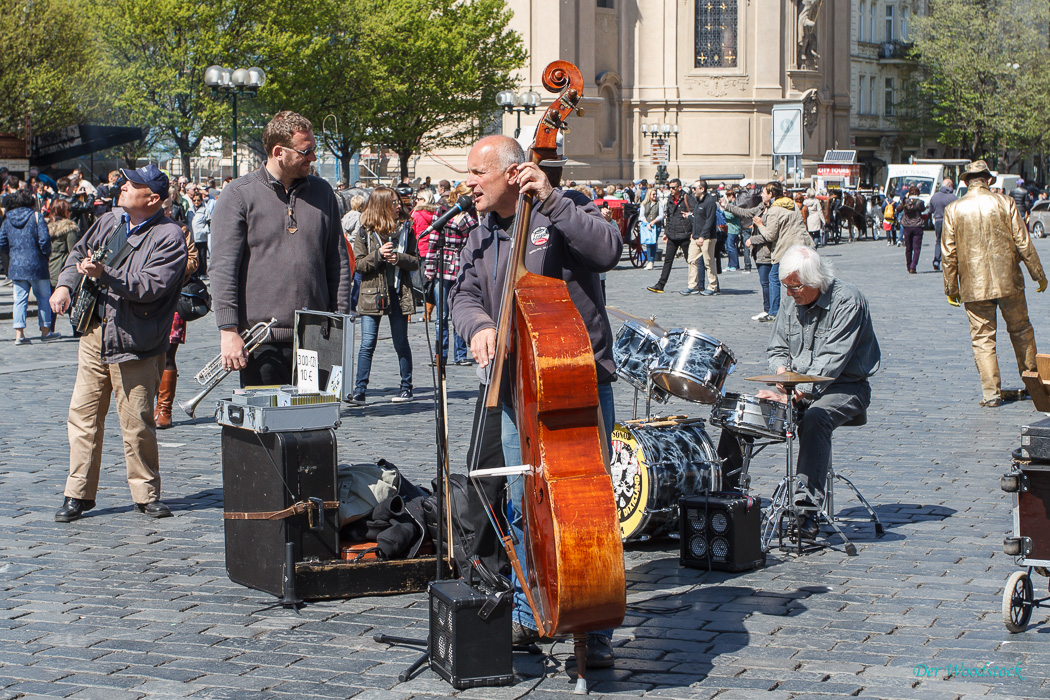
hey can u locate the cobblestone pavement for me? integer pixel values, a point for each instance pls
(118, 606)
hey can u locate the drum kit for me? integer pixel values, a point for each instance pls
(657, 460)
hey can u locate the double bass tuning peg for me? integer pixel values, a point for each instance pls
(579, 111)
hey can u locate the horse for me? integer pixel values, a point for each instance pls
(854, 211)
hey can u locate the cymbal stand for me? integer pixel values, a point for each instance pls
(782, 504)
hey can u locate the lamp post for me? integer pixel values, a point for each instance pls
(229, 84)
(660, 136)
(526, 103)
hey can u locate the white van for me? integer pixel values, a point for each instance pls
(1004, 182)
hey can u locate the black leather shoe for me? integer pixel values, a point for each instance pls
(599, 651)
(72, 509)
(808, 529)
(154, 509)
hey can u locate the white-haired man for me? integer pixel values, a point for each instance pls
(824, 328)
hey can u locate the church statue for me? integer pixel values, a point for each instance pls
(807, 34)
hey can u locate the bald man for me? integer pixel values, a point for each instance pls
(569, 240)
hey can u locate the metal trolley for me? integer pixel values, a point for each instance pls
(1029, 482)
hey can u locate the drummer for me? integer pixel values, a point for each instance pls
(824, 329)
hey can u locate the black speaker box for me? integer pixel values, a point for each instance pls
(466, 649)
(722, 531)
(269, 472)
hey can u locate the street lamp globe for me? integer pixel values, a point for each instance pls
(240, 77)
(257, 77)
(506, 98)
(531, 99)
(213, 76)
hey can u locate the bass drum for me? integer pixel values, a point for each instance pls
(655, 463)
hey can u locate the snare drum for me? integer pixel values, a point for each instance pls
(749, 415)
(654, 463)
(635, 349)
(693, 366)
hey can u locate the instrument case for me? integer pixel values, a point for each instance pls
(255, 467)
(1029, 482)
(1035, 441)
(331, 336)
(266, 472)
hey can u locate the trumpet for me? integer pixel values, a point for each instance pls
(212, 374)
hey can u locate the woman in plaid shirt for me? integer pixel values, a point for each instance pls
(444, 247)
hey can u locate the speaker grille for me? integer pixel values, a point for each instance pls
(720, 549)
(696, 520)
(719, 522)
(698, 547)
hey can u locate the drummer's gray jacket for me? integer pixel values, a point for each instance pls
(832, 337)
(569, 240)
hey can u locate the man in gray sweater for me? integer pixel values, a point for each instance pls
(277, 246)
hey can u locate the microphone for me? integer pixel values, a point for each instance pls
(462, 204)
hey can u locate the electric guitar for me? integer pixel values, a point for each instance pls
(85, 298)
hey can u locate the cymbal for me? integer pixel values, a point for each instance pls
(649, 323)
(789, 378)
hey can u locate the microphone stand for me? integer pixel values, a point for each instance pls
(444, 526)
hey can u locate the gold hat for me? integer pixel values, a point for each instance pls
(977, 168)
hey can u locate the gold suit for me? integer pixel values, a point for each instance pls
(983, 240)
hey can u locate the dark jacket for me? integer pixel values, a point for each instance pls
(569, 240)
(678, 227)
(24, 233)
(141, 292)
(379, 279)
(704, 217)
(940, 199)
(259, 269)
(909, 212)
(1022, 198)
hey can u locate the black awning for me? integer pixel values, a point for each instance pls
(80, 140)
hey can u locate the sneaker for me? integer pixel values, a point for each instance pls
(759, 317)
(710, 292)
(768, 319)
(53, 335)
(746, 271)
(732, 269)
(403, 397)
(648, 266)
(23, 341)
(655, 289)
(358, 399)
(992, 403)
(689, 291)
(465, 362)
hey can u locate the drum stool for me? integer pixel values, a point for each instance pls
(826, 511)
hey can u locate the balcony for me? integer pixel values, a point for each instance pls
(895, 51)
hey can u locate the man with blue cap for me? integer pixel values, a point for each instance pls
(139, 279)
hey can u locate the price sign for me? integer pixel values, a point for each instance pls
(306, 371)
(661, 151)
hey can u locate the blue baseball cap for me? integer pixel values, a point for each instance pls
(149, 176)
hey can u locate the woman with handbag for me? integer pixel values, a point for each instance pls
(170, 378)
(386, 255)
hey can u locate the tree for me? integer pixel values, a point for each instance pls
(439, 65)
(157, 52)
(324, 70)
(984, 75)
(44, 74)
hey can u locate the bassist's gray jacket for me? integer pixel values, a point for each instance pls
(141, 292)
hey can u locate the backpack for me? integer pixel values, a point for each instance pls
(888, 214)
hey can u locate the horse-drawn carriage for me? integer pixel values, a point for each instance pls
(625, 215)
(851, 211)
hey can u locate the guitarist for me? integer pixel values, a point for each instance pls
(122, 350)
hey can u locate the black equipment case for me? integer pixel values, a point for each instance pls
(267, 472)
(1035, 440)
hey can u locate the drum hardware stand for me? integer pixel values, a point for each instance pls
(289, 599)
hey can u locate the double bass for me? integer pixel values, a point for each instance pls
(575, 581)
